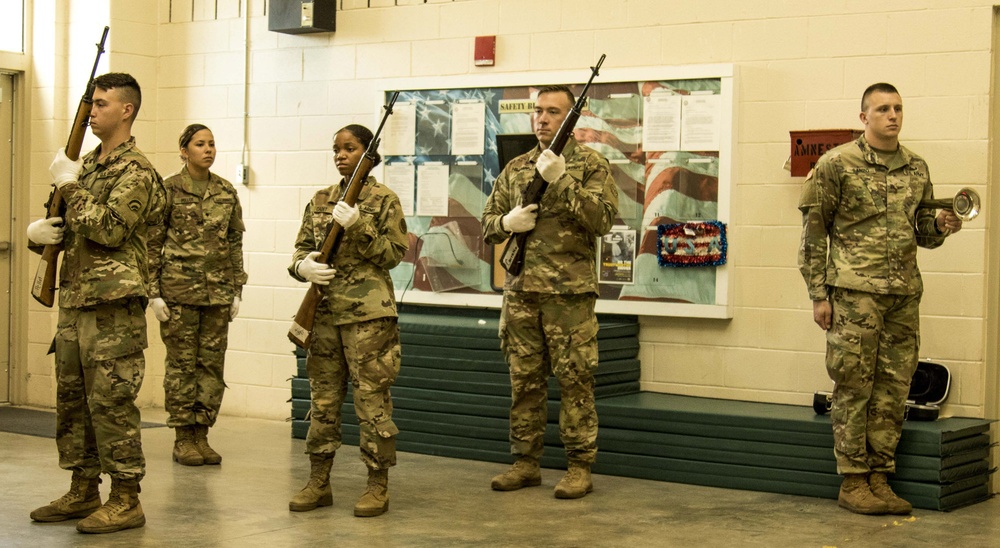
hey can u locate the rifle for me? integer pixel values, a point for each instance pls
(43, 289)
(305, 318)
(512, 258)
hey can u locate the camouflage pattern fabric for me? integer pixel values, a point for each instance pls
(544, 334)
(575, 210)
(196, 253)
(861, 229)
(99, 370)
(867, 210)
(196, 338)
(101, 333)
(547, 324)
(871, 355)
(362, 289)
(107, 212)
(368, 353)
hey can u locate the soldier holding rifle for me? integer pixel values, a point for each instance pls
(354, 336)
(111, 194)
(548, 325)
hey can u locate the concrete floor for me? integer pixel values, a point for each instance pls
(439, 502)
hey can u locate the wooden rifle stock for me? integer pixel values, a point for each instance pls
(512, 258)
(305, 318)
(43, 288)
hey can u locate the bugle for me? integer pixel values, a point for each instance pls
(965, 204)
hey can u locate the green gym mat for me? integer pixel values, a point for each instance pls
(300, 408)
(928, 496)
(472, 372)
(629, 410)
(697, 448)
(606, 385)
(471, 322)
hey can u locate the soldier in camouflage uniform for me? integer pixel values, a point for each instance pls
(355, 335)
(861, 230)
(548, 325)
(111, 194)
(196, 280)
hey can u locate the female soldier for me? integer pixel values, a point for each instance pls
(355, 332)
(196, 279)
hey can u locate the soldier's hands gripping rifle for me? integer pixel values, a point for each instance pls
(512, 258)
(43, 289)
(302, 325)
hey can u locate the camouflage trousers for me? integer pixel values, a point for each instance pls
(196, 338)
(871, 354)
(369, 354)
(99, 370)
(545, 334)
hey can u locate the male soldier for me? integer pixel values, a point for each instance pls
(111, 194)
(548, 324)
(862, 199)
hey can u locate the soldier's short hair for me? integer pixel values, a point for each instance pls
(558, 89)
(880, 87)
(127, 88)
(364, 136)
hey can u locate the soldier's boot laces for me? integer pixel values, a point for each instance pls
(82, 499)
(317, 491)
(209, 455)
(525, 472)
(185, 450)
(122, 511)
(576, 483)
(856, 496)
(375, 500)
(880, 488)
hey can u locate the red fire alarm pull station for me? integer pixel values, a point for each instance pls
(486, 51)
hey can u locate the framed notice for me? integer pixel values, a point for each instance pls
(667, 133)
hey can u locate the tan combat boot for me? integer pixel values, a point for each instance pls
(525, 472)
(375, 500)
(82, 499)
(880, 488)
(122, 511)
(576, 483)
(317, 492)
(856, 496)
(185, 451)
(201, 444)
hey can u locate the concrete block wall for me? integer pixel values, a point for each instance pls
(799, 66)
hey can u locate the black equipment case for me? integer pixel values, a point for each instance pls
(928, 390)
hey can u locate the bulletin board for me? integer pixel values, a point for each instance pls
(668, 134)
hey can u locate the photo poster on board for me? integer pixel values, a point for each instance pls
(657, 184)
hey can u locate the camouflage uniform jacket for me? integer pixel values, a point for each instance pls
(362, 289)
(196, 253)
(108, 210)
(561, 254)
(868, 212)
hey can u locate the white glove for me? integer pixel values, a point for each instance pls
(317, 273)
(64, 170)
(520, 219)
(234, 309)
(160, 309)
(345, 215)
(550, 166)
(45, 231)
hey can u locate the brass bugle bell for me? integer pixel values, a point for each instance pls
(965, 204)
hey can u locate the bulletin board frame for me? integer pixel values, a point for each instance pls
(722, 306)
